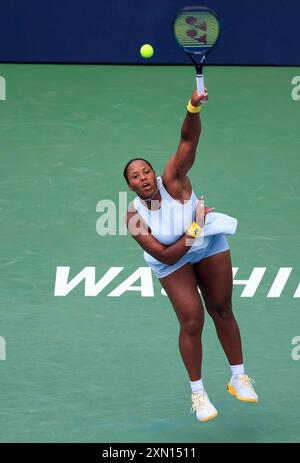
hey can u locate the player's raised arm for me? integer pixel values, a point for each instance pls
(180, 163)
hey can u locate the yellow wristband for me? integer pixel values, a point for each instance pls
(194, 230)
(193, 109)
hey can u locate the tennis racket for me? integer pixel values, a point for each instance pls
(197, 30)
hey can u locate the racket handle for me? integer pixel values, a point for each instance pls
(200, 83)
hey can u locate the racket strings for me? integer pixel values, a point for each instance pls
(197, 29)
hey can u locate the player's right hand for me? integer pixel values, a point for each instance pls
(198, 100)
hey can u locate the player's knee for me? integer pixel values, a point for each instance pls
(192, 326)
(221, 310)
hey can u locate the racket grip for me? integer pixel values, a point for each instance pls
(200, 83)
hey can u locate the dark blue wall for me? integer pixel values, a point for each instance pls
(112, 31)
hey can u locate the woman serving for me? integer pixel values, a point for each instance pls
(185, 245)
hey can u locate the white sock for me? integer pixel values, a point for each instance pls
(197, 385)
(237, 369)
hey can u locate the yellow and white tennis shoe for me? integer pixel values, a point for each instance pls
(203, 407)
(241, 387)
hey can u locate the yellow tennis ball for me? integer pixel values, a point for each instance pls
(146, 50)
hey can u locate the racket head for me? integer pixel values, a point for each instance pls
(197, 30)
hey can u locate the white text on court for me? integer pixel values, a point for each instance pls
(141, 281)
(2, 348)
(2, 88)
(296, 350)
(296, 90)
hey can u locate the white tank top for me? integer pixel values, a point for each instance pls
(172, 219)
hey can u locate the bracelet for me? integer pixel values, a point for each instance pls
(193, 109)
(194, 230)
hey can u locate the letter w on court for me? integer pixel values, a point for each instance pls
(91, 288)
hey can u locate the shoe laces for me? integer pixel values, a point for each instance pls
(247, 381)
(198, 401)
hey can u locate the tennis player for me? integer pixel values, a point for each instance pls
(185, 245)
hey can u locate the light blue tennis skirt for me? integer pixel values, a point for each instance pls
(212, 245)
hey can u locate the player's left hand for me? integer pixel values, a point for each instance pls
(201, 211)
(207, 210)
